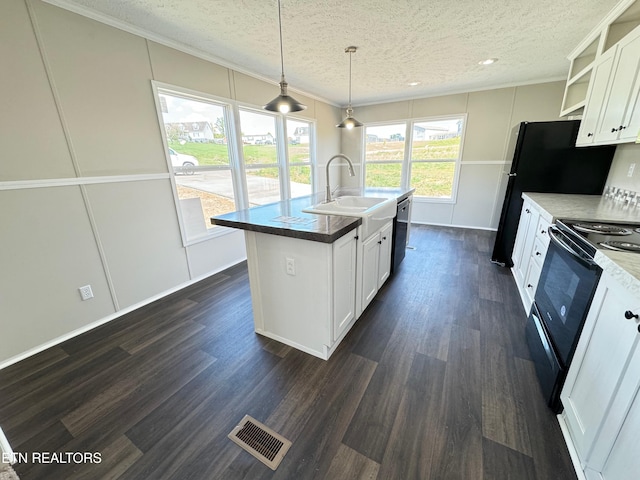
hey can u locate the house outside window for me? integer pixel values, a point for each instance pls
(300, 153)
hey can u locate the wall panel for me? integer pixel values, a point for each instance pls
(35, 145)
(102, 76)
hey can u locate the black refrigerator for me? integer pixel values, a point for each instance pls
(543, 158)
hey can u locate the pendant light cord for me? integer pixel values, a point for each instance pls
(281, 49)
(350, 53)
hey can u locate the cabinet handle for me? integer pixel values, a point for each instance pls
(629, 315)
(614, 130)
(380, 242)
(384, 238)
(589, 134)
(529, 286)
(622, 127)
(356, 237)
(538, 253)
(543, 232)
(527, 210)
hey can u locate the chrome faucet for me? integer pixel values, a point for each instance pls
(352, 173)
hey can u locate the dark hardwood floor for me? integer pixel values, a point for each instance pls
(433, 382)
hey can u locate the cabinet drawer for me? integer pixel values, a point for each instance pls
(531, 281)
(539, 251)
(542, 232)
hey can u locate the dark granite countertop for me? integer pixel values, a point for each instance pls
(286, 218)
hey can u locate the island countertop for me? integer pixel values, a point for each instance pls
(286, 218)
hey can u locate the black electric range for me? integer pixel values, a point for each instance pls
(593, 235)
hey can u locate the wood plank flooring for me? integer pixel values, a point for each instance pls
(434, 382)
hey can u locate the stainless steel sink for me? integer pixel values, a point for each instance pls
(375, 212)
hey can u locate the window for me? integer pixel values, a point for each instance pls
(384, 155)
(428, 160)
(435, 155)
(196, 130)
(299, 152)
(225, 158)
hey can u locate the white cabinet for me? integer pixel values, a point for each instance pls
(529, 251)
(384, 257)
(595, 98)
(376, 263)
(524, 241)
(303, 292)
(612, 108)
(599, 395)
(344, 283)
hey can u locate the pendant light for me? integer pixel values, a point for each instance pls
(283, 103)
(349, 122)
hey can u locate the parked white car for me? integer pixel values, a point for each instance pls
(183, 163)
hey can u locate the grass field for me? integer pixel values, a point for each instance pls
(431, 179)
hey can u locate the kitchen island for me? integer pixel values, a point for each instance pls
(312, 275)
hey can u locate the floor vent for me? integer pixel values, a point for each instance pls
(260, 441)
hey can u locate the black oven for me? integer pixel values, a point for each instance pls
(566, 287)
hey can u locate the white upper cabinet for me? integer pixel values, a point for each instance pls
(596, 98)
(604, 79)
(611, 115)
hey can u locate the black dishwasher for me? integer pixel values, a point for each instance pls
(400, 229)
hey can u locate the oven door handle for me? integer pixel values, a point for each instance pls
(557, 240)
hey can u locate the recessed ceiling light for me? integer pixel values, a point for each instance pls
(488, 61)
(413, 84)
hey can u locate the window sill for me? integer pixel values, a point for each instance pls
(215, 232)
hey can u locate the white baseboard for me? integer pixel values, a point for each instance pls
(5, 448)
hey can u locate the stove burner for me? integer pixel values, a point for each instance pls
(622, 246)
(602, 228)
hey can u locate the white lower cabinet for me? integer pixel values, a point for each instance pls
(529, 251)
(375, 264)
(600, 395)
(344, 283)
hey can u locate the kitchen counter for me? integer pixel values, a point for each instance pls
(623, 266)
(287, 219)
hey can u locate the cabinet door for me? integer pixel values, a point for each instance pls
(595, 97)
(631, 122)
(344, 282)
(384, 261)
(620, 94)
(370, 260)
(600, 362)
(518, 248)
(522, 267)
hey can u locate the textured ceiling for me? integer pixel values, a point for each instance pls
(435, 42)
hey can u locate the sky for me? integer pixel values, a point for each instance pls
(180, 110)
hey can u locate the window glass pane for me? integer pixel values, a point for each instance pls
(433, 179)
(383, 174)
(199, 155)
(385, 142)
(299, 150)
(263, 185)
(435, 140)
(258, 138)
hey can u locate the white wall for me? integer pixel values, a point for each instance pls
(491, 114)
(625, 155)
(85, 190)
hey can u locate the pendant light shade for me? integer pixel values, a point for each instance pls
(349, 122)
(283, 103)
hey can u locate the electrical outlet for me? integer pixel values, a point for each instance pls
(85, 292)
(632, 167)
(291, 266)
